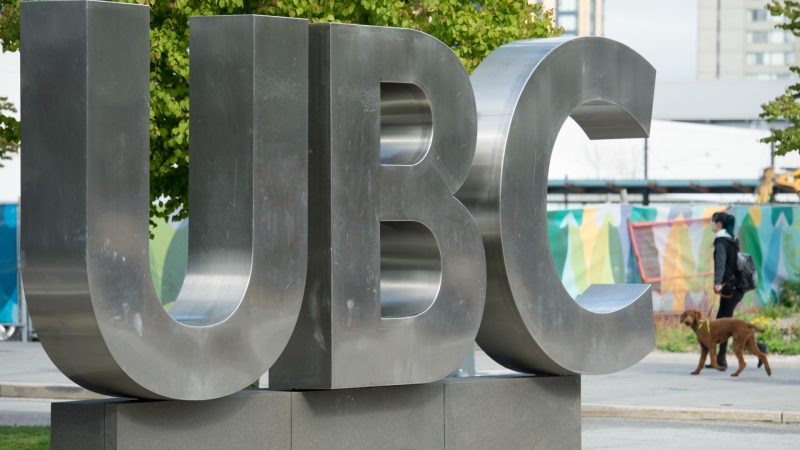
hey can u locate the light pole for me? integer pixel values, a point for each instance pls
(646, 195)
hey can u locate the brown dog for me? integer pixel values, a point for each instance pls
(712, 332)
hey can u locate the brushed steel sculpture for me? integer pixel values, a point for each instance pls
(85, 181)
(341, 229)
(524, 92)
(397, 275)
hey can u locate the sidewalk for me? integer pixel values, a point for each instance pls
(27, 372)
(659, 387)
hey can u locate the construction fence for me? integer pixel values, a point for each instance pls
(9, 298)
(667, 247)
(671, 249)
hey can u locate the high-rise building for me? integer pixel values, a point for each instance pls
(737, 40)
(578, 17)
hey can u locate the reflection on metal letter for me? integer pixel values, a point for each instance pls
(397, 274)
(524, 92)
(85, 71)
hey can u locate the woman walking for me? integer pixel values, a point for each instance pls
(725, 250)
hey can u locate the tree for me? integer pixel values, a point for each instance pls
(786, 107)
(9, 38)
(471, 30)
(9, 131)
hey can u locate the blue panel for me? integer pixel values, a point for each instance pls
(9, 304)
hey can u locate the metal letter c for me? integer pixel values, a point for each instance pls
(524, 92)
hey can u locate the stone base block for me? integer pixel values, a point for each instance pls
(514, 412)
(246, 420)
(455, 413)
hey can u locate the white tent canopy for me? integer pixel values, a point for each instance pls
(676, 151)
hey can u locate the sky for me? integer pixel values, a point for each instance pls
(664, 32)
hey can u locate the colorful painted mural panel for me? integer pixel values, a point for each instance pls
(672, 249)
(9, 301)
(589, 245)
(771, 235)
(674, 245)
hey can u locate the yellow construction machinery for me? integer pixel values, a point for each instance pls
(785, 182)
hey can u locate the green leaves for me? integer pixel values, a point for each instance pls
(471, 32)
(9, 25)
(785, 107)
(9, 42)
(9, 131)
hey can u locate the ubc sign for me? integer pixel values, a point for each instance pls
(361, 209)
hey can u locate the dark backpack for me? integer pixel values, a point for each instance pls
(746, 275)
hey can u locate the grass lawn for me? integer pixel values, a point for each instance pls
(675, 337)
(24, 438)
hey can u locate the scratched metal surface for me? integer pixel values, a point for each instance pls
(86, 272)
(397, 275)
(524, 92)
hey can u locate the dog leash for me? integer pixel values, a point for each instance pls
(711, 307)
(714, 302)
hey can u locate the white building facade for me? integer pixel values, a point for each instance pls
(577, 17)
(737, 40)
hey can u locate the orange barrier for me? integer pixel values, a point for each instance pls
(644, 248)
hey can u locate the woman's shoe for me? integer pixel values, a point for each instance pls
(762, 347)
(723, 365)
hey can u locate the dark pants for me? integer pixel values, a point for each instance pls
(726, 307)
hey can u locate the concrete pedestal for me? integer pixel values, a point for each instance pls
(455, 413)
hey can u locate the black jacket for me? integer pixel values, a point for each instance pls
(725, 250)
